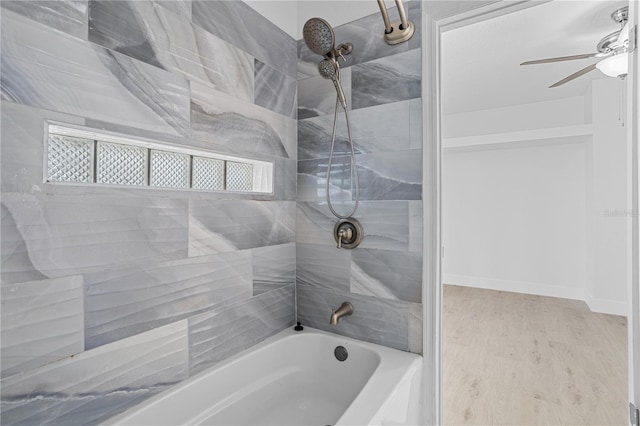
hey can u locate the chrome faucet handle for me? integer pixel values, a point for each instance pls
(344, 234)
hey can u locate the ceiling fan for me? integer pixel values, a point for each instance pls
(612, 49)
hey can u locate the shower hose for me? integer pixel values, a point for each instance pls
(353, 161)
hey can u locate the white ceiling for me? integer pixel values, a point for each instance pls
(481, 62)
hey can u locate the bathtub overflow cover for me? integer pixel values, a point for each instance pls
(341, 353)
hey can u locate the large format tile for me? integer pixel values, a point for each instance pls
(380, 321)
(390, 79)
(389, 225)
(181, 7)
(22, 148)
(99, 383)
(383, 128)
(130, 300)
(238, 127)
(381, 175)
(69, 16)
(315, 137)
(275, 90)
(47, 236)
(242, 26)
(226, 330)
(78, 77)
(312, 185)
(391, 175)
(219, 226)
(317, 95)
(285, 179)
(273, 267)
(387, 274)
(323, 266)
(150, 32)
(42, 322)
(315, 223)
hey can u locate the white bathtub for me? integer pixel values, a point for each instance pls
(293, 378)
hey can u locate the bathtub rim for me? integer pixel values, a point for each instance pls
(397, 366)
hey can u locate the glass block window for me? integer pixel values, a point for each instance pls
(121, 164)
(87, 156)
(170, 169)
(69, 159)
(208, 173)
(239, 176)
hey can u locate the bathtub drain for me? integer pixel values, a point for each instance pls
(341, 353)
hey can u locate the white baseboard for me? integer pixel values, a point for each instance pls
(603, 306)
(606, 306)
(574, 293)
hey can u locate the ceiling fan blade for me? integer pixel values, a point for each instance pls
(560, 59)
(576, 74)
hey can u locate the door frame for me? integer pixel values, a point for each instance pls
(434, 23)
(633, 224)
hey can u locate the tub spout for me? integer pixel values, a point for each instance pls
(345, 309)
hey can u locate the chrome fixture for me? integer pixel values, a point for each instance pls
(321, 40)
(348, 233)
(345, 309)
(399, 31)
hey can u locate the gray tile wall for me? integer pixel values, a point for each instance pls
(382, 278)
(109, 295)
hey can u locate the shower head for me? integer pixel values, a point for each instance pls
(318, 35)
(321, 40)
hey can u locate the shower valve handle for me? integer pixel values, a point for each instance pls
(345, 233)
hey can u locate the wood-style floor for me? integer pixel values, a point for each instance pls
(519, 359)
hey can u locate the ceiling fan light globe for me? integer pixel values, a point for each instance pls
(614, 66)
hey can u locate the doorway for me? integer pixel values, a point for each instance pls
(543, 164)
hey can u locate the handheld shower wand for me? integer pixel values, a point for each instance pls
(319, 36)
(328, 68)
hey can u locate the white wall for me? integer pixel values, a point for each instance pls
(514, 219)
(540, 218)
(606, 286)
(282, 13)
(538, 115)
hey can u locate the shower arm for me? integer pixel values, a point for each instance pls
(399, 31)
(403, 16)
(385, 17)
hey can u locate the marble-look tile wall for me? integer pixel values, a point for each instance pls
(382, 277)
(109, 295)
